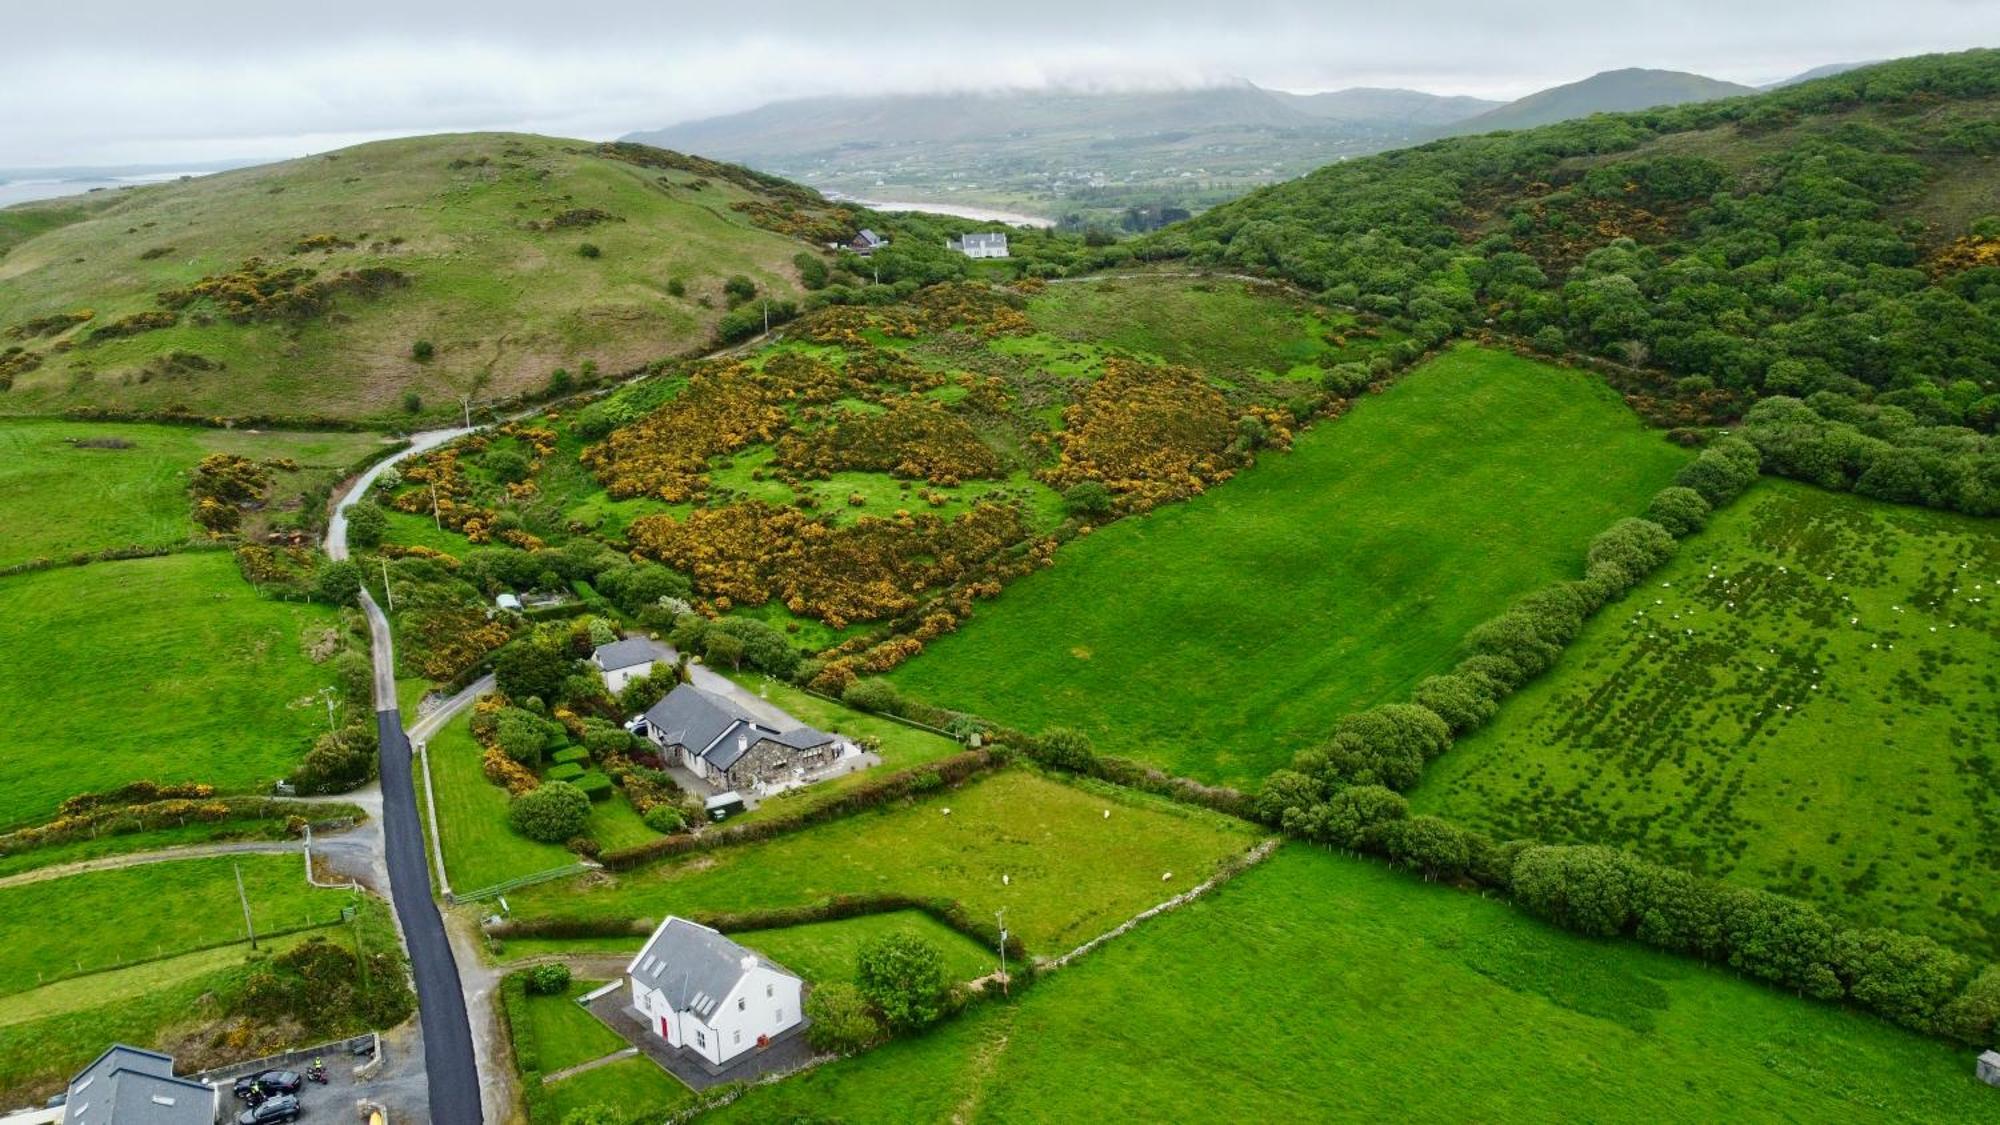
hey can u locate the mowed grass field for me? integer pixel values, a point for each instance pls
(1805, 700)
(558, 1033)
(1217, 637)
(59, 498)
(1316, 987)
(487, 227)
(169, 669)
(1044, 850)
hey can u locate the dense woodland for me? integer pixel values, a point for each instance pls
(1835, 243)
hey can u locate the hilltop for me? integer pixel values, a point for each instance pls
(303, 289)
(1613, 91)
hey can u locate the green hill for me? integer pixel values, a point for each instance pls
(1832, 247)
(1613, 91)
(475, 243)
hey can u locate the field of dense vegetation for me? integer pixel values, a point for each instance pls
(1419, 1001)
(69, 488)
(1215, 638)
(166, 669)
(1046, 851)
(1803, 700)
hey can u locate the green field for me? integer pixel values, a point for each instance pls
(59, 499)
(1045, 851)
(825, 951)
(634, 1089)
(1321, 988)
(1217, 637)
(1803, 700)
(503, 304)
(559, 1033)
(171, 668)
(83, 923)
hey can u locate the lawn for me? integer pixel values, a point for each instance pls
(479, 849)
(559, 1033)
(633, 1089)
(171, 668)
(1804, 700)
(1045, 851)
(1322, 988)
(825, 951)
(58, 498)
(82, 923)
(1217, 637)
(563, 1031)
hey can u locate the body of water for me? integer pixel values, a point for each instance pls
(27, 188)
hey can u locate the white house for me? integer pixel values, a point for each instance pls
(706, 994)
(979, 245)
(623, 661)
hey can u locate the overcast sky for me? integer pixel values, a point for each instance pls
(131, 81)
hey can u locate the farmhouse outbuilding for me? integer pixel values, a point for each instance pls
(131, 1086)
(625, 660)
(992, 245)
(722, 743)
(705, 994)
(867, 242)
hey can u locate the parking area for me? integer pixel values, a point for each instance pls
(395, 1083)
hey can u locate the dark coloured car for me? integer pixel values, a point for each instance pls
(284, 1107)
(270, 1082)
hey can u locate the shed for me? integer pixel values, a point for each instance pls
(1989, 1068)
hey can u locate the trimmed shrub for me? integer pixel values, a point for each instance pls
(665, 819)
(1064, 749)
(1681, 510)
(548, 980)
(568, 771)
(879, 696)
(574, 754)
(551, 813)
(596, 785)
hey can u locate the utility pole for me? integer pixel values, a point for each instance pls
(767, 316)
(1001, 915)
(435, 518)
(465, 404)
(248, 926)
(327, 694)
(386, 588)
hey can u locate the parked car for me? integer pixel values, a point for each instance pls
(284, 1107)
(270, 1082)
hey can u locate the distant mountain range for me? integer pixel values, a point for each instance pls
(1095, 155)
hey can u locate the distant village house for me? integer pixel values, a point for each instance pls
(867, 242)
(721, 743)
(979, 245)
(705, 994)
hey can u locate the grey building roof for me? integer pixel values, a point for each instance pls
(718, 730)
(130, 1086)
(630, 652)
(988, 239)
(694, 967)
(868, 237)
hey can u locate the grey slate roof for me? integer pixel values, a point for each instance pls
(130, 1086)
(694, 967)
(718, 730)
(628, 652)
(868, 238)
(990, 238)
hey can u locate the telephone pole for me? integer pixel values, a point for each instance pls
(327, 694)
(1001, 915)
(249, 926)
(435, 518)
(386, 589)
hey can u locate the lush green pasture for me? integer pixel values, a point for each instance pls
(82, 923)
(1232, 329)
(634, 1089)
(479, 848)
(58, 498)
(1217, 637)
(171, 668)
(1043, 850)
(1804, 700)
(1348, 992)
(564, 1032)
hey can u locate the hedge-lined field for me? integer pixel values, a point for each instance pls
(1215, 638)
(60, 498)
(1349, 992)
(1802, 700)
(1042, 849)
(169, 669)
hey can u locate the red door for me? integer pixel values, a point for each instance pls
(664, 1033)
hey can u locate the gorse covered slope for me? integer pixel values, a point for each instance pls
(303, 288)
(1834, 244)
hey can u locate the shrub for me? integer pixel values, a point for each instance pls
(422, 351)
(1681, 510)
(676, 287)
(551, 814)
(1627, 551)
(589, 250)
(841, 1018)
(1351, 818)
(1087, 498)
(570, 755)
(596, 785)
(568, 771)
(366, 525)
(1464, 700)
(664, 819)
(1386, 745)
(606, 741)
(1064, 749)
(902, 976)
(720, 648)
(1906, 978)
(1284, 791)
(738, 289)
(1722, 471)
(548, 980)
(879, 696)
(337, 582)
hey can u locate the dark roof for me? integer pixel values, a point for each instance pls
(694, 967)
(868, 237)
(628, 652)
(131, 1086)
(717, 729)
(987, 239)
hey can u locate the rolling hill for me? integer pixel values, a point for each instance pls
(1613, 91)
(1380, 107)
(301, 289)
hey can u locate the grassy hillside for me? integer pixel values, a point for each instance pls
(1803, 700)
(170, 669)
(1217, 637)
(1320, 988)
(73, 487)
(475, 245)
(1613, 91)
